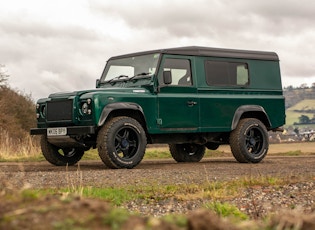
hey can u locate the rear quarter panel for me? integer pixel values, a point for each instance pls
(219, 103)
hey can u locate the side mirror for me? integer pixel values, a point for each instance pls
(97, 83)
(167, 77)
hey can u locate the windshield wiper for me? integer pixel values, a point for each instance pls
(126, 78)
(139, 76)
(118, 78)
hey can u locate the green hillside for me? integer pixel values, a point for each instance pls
(304, 107)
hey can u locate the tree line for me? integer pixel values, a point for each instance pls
(305, 120)
(302, 86)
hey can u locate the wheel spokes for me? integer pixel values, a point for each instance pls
(126, 143)
(253, 141)
(125, 153)
(68, 152)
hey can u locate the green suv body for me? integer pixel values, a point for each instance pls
(191, 98)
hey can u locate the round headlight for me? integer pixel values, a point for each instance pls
(85, 108)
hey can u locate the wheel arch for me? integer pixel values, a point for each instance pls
(251, 111)
(128, 109)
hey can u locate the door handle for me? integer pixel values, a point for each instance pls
(191, 103)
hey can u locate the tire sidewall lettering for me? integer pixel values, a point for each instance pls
(113, 156)
(239, 142)
(117, 158)
(251, 126)
(263, 152)
(133, 126)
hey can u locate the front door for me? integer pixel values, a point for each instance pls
(178, 104)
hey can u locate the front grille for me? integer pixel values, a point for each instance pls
(59, 110)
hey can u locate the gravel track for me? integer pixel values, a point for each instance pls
(255, 201)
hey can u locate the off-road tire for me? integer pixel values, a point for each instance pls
(249, 141)
(187, 152)
(121, 143)
(60, 156)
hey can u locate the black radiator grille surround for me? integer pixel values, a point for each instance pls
(59, 110)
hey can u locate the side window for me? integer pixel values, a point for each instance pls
(242, 76)
(180, 69)
(226, 73)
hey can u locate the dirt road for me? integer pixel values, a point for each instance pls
(157, 172)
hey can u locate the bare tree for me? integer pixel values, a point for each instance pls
(3, 74)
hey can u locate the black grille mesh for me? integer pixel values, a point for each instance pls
(59, 110)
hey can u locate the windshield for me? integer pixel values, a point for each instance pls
(130, 67)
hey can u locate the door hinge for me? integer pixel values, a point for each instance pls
(159, 121)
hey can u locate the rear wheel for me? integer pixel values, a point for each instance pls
(121, 143)
(60, 156)
(187, 152)
(249, 141)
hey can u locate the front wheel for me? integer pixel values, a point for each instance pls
(249, 141)
(187, 152)
(121, 143)
(60, 156)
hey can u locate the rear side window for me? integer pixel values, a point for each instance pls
(226, 73)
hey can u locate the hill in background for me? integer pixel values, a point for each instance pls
(300, 102)
(295, 113)
(295, 95)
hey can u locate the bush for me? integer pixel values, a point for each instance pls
(17, 117)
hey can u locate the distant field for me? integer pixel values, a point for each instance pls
(301, 148)
(293, 116)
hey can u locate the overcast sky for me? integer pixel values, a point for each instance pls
(63, 45)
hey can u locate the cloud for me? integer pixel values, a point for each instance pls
(30, 50)
(64, 45)
(201, 17)
(282, 26)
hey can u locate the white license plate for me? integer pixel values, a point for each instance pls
(61, 131)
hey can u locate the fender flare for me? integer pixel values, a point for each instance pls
(248, 108)
(118, 106)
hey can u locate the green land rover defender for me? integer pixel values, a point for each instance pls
(190, 98)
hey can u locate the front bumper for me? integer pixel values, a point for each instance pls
(71, 130)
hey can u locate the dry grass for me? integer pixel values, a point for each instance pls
(12, 149)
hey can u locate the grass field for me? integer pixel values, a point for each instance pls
(293, 116)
